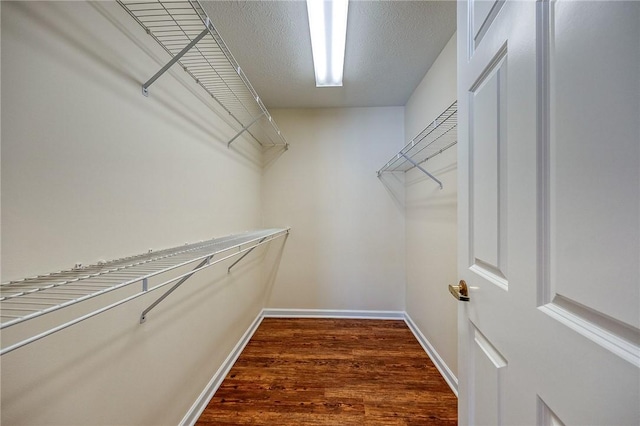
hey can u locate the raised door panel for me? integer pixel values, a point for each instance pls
(488, 178)
(482, 14)
(488, 370)
(593, 169)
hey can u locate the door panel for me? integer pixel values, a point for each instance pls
(549, 198)
(482, 14)
(489, 180)
(590, 171)
(488, 368)
(594, 158)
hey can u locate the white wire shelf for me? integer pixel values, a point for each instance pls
(30, 298)
(184, 30)
(438, 136)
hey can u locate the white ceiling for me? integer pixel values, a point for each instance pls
(390, 47)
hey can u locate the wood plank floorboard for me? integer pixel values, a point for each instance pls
(332, 372)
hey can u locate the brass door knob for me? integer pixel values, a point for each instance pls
(460, 291)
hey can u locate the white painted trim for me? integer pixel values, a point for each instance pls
(331, 313)
(205, 396)
(442, 366)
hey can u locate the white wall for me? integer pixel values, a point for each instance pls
(346, 248)
(92, 170)
(431, 216)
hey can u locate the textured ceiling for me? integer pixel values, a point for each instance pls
(390, 47)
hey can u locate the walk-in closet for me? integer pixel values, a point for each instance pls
(447, 233)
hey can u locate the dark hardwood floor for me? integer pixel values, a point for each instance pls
(332, 372)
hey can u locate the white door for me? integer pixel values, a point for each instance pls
(549, 239)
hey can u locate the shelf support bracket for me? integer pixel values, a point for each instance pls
(422, 169)
(245, 255)
(176, 58)
(143, 317)
(244, 129)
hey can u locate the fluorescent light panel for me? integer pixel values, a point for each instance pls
(328, 28)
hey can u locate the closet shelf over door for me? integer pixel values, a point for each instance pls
(437, 137)
(184, 30)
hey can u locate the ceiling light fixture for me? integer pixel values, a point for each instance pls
(328, 28)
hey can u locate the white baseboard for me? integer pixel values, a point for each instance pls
(205, 396)
(331, 313)
(442, 366)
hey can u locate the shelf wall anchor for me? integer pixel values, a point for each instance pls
(244, 255)
(143, 317)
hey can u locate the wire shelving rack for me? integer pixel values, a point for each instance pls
(30, 298)
(440, 135)
(184, 30)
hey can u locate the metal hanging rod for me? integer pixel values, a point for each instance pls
(440, 135)
(24, 300)
(184, 30)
